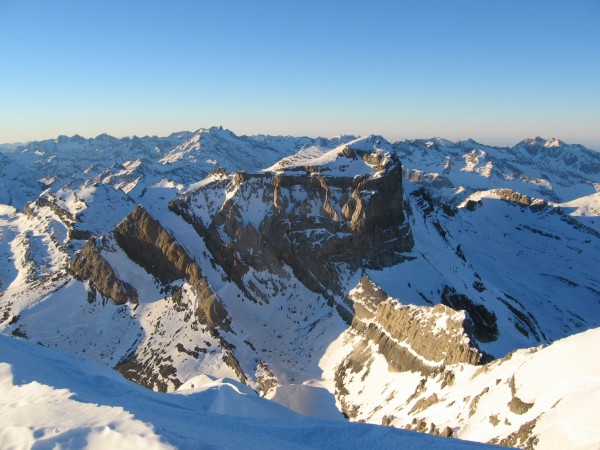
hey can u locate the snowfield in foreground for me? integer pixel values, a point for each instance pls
(54, 400)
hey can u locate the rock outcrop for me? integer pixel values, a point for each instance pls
(90, 265)
(148, 244)
(305, 218)
(50, 202)
(417, 338)
(482, 322)
(411, 338)
(70, 220)
(535, 204)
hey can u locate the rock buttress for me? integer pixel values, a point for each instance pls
(310, 221)
(91, 266)
(148, 244)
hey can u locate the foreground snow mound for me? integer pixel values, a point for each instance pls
(55, 400)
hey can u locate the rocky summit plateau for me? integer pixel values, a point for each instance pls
(298, 289)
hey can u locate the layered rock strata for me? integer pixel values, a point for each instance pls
(148, 244)
(411, 338)
(303, 218)
(89, 265)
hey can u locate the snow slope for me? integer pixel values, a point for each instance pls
(52, 399)
(545, 398)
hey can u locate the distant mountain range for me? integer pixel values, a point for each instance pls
(406, 284)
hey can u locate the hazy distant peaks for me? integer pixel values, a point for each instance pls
(541, 142)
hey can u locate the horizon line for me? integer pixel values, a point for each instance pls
(221, 128)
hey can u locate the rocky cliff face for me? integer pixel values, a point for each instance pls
(91, 266)
(417, 339)
(304, 218)
(536, 204)
(192, 308)
(148, 244)
(439, 335)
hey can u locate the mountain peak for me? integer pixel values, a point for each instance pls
(370, 143)
(107, 137)
(64, 138)
(553, 142)
(542, 142)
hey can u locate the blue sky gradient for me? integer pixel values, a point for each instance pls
(493, 71)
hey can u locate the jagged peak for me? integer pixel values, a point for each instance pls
(533, 140)
(542, 142)
(553, 142)
(471, 144)
(555, 148)
(180, 135)
(195, 138)
(341, 137)
(75, 138)
(440, 141)
(216, 130)
(106, 136)
(432, 143)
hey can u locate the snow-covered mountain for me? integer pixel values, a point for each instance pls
(388, 283)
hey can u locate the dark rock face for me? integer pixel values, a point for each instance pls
(82, 235)
(432, 179)
(265, 378)
(422, 426)
(148, 244)
(509, 195)
(516, 405)
(154, 373)
(484, 328)
(417, 326)
(68, 219)
(309, 221)
(155, 362)
(90, 265)
(523, 438)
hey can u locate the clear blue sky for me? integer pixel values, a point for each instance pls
(496, 71)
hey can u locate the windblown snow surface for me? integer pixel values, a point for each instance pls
(50, 399)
